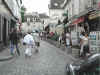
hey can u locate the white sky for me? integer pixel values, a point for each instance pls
(40, 6)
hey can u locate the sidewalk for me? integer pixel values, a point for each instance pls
(74, 50)
(5, 54)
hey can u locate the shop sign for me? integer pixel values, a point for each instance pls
(79, 20)
(94, 15)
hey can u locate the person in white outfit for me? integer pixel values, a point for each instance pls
(84, 45)
(29, 41)
(68, 39)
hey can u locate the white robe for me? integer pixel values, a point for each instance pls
(28, 39)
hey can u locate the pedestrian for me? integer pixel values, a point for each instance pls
(64, 38)
(68, 39)
(41, 35)
(45, 35)
(37, 40)
(14, 41)
(60, 40)
(80, 43)
(29, 43)
(68, 42)
(84, 45)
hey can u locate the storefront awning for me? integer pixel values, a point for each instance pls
(94, 15)
(79, 20)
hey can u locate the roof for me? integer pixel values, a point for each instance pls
(56, 4)
(43, 16)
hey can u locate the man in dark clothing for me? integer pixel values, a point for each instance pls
(64, 38)
(14, 41)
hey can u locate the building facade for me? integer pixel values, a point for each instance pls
(9, 15)
(79, 10)
(32, 22)
(56, 10)
(45, 19)
(83, 15)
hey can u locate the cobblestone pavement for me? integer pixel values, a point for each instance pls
(49, 61)
(74, 51)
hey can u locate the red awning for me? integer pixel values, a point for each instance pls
(79, 20)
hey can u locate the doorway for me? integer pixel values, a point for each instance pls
(5, 31)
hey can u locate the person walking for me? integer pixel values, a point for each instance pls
(41, 35)
(45, 35)
(29, 42)
(60, 40)
(37, 40)
(14, 41)
(64, 38)
(84, 45)
(68, 39)
(68, 42)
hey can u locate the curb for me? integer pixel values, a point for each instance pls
(6, 58)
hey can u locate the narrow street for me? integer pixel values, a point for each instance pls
(49, 61)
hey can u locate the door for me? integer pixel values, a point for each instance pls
(4, 31)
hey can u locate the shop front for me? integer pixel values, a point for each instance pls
(94, 21)
(6, 23)
(4, 28)
(76, 29)
(94, 27)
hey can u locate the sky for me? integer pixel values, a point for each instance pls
(40, 6)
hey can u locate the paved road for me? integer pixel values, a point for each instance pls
(49, 61)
